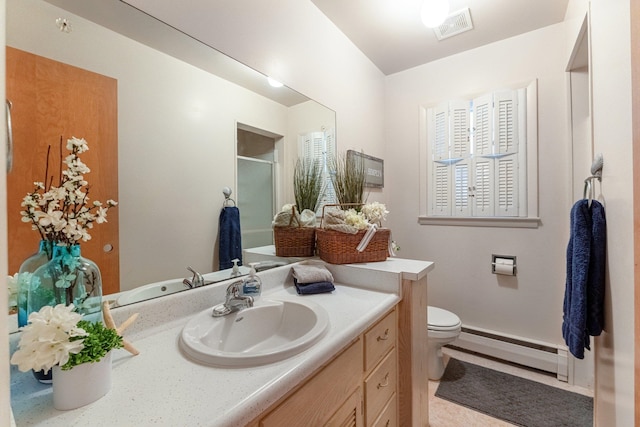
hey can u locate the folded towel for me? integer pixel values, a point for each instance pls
(311, 273)
(313, 288)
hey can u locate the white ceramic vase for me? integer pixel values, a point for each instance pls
(82, 384)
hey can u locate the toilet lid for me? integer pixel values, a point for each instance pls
(440, 319)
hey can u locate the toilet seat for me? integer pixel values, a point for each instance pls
(439, 319)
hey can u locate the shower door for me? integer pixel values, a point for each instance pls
(255, 201)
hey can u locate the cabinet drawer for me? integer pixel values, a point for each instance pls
(379, 339)
(318, 399)
(389, 415)
(379, 386)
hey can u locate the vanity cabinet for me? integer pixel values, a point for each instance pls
(357, 388)
(381, 372)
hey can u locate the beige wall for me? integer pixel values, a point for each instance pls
(462, 281)
(611, 70)
(307, 53)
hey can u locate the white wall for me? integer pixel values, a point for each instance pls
(529, 305)
(611, 71)
(294, 42)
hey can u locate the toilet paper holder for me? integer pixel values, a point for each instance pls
(503, 264)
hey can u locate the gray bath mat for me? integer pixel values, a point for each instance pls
(517, 400)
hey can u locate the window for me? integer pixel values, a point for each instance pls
(480, 157)
(320, 146)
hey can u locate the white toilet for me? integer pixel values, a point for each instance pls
(443, 328)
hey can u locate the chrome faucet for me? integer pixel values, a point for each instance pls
(234, 301)
(196, 281)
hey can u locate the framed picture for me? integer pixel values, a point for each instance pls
(373, 169)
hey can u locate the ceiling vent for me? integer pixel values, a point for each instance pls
(456, 23)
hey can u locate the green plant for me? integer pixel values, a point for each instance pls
(97, 343)
(348, 179)
(58, 336)
(307, 184)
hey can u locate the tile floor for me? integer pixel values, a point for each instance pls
(443, 413)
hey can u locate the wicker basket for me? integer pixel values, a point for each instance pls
(336, 247)
(295, 241)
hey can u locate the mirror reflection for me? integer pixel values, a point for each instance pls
(186, 117)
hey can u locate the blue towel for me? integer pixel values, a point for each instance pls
(586, 262)
(313, 288)
(230, 240)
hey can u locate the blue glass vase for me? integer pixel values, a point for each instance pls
(68, 278)
(28, 267)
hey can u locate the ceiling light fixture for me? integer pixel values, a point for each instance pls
(273, 82)
(434, 12)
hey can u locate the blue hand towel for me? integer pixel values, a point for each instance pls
(230, 241)
(584, 291)
(313, 288)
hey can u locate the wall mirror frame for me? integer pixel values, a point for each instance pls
(179, 101)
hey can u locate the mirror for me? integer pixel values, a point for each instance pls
(179, 105)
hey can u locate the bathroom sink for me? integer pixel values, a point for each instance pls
(270, 331)
(152, 290)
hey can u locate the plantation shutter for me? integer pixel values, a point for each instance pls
(441, 189)
(506, 147)
(441, 132)
(462, 186)
(483, 184)
(319, 147)
(483, 125)
(476, 154)
(460, 149)
(506, 123)
(459, 129)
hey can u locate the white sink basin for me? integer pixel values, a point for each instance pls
(151, 291)
(270, 331)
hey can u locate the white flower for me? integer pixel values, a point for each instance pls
(355, 219)
(62, 213)
(375, 212)
(45, 340)
(13, 284)
(78, 143)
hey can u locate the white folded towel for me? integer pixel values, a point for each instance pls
(311, 273)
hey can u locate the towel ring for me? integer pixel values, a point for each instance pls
(588, 188)
(227, 198)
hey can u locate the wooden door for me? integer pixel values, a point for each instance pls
(51, 100)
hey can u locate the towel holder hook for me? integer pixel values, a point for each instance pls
(596, 173)
(227, 197)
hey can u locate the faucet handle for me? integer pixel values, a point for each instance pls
(197, 280)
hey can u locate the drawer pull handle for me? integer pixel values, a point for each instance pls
(388, 423)
(385, 337)
(385, 383)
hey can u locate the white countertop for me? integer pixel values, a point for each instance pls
(162, 386)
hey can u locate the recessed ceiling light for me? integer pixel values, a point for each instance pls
(273, 82)
(434, 12)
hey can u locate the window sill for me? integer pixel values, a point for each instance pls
(504, 222)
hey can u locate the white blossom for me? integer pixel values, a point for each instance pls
(45, 340)
(63, 213)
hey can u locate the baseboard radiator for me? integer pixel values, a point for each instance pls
(533, 354)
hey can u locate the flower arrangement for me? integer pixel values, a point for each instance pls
(62, 213)
(58, 336)
(370, 213)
